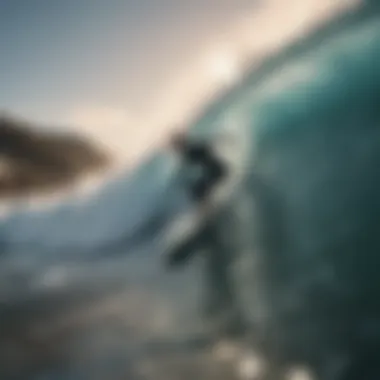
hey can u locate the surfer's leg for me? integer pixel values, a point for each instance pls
(216, 291)
(181, 254)
(219, 298)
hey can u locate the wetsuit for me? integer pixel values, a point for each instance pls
(213, 169)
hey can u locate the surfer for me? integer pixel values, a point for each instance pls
(200, 153)
(219, 304)
(193, 154)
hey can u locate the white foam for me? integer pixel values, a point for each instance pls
(298, 373)
(251, 367)
(226, 350)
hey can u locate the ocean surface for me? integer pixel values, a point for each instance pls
(84, 293)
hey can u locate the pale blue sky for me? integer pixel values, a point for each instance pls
(55, 54)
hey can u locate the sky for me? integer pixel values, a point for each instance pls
(62, 61)
(126, 71)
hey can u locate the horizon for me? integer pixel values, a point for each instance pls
(77, 73)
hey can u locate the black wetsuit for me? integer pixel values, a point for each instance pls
(213, 169)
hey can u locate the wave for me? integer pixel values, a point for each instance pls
(304, 241)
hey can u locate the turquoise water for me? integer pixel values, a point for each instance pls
(309, 117)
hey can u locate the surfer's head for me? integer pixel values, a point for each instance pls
(178, 141)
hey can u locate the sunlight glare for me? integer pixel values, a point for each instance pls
(224, 68)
